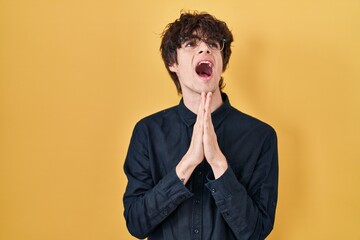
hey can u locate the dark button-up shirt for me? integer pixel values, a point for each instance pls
(240, 204)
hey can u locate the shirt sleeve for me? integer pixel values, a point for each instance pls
(250, 210)
(147, 204)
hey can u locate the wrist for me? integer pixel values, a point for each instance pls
(219, 166)
(184, 169)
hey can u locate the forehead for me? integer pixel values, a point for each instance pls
(202, 33)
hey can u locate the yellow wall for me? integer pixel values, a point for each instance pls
(75, 76)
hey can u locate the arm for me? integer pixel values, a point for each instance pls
(250, 211)
(147, 204)
(195, 154)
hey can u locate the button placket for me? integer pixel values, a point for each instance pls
(198, 185)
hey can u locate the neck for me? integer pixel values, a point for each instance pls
(193, 101)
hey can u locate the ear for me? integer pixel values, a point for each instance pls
(173, 67)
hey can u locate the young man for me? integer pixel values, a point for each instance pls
(202, 169)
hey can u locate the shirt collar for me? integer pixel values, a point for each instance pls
(189, 118)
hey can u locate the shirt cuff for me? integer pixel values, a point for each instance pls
(173, 188)
(225, 186)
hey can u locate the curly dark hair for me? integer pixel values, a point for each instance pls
(186, 25)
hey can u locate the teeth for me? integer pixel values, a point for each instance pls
(205, 62)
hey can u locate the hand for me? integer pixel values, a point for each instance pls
(212, 151)
(195, 154)
(196, 148)
(203, 144)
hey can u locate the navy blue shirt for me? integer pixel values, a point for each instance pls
(240, 204)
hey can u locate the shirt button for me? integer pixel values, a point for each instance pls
(196, 231)
(213, 190)
(199, 173)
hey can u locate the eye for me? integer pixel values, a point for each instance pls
(213, 44)
(191, 43)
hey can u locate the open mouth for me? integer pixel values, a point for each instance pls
(204, 69)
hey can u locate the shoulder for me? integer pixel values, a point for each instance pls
(153, 123)
(249, 123)
(160, 115)
(157, 118)
(241, 122)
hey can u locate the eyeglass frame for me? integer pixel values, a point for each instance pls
(221, 41)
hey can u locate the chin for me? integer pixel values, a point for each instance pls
(212, 89)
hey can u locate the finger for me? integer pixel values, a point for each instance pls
(208, 102)
(199, 124)
(203, 100)
(207, 117)
(200, 110)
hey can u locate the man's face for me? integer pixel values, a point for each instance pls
(199, 66)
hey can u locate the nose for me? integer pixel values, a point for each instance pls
(203, 47)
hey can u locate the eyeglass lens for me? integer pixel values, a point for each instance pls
(194, 42)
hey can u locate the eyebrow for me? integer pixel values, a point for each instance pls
(201, 38)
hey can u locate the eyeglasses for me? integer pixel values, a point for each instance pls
(193, 42)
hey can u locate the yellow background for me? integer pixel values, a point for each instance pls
(76, 75)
